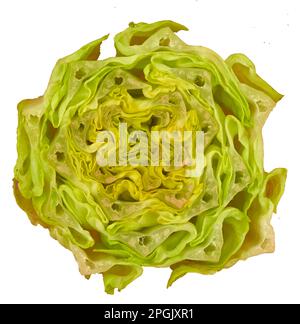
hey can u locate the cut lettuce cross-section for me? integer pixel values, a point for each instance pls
(118, 219)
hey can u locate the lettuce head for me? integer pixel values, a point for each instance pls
(118, 218)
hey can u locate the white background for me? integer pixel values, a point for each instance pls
(34, 34)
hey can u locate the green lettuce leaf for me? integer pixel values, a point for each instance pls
(117, 219)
